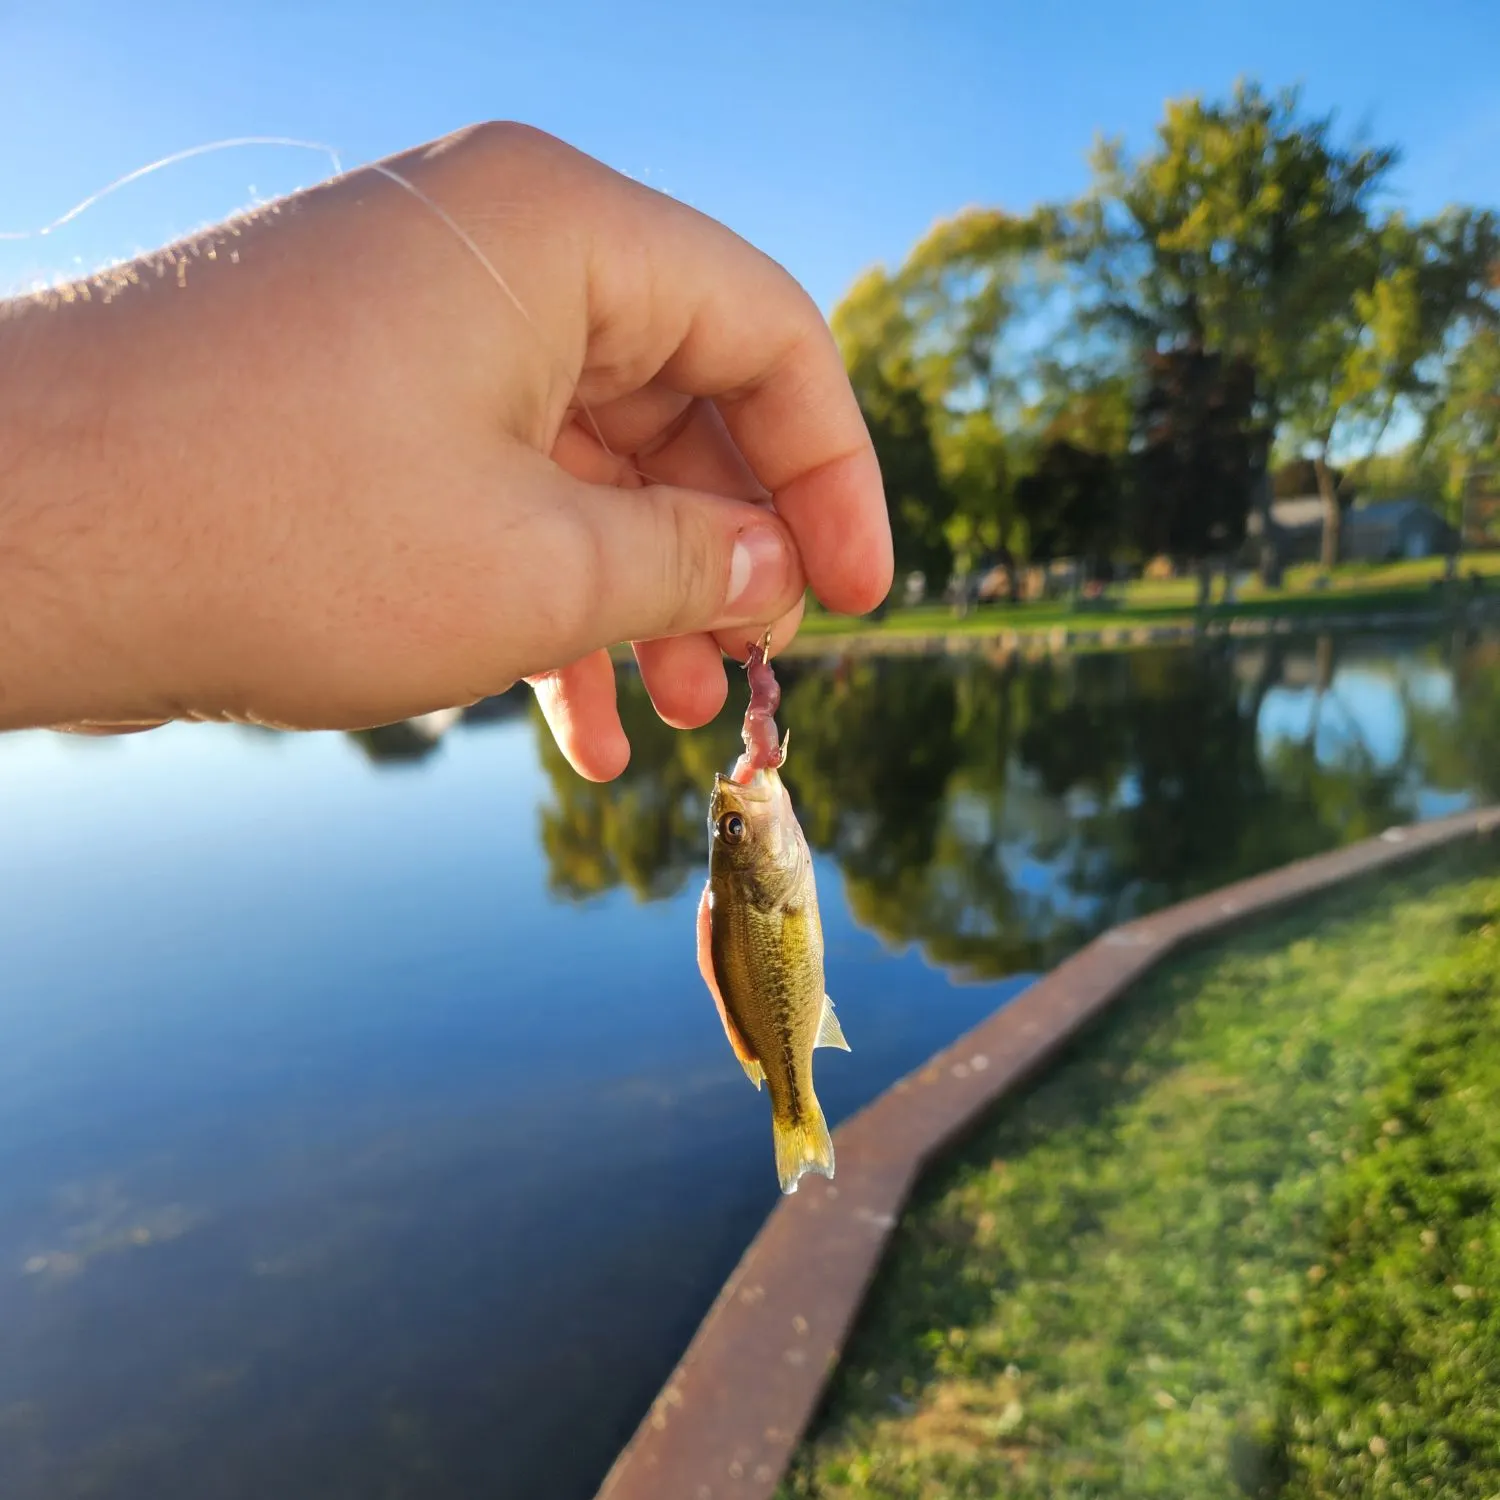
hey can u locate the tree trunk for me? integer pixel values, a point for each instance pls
(1272, 670)
(1272, 563)
(1324, 661)
(1012, 577)
(1205, 582)
(1333, 513)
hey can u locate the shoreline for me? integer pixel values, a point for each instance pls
(730, 1416)
(989, 636)
(1045, 639)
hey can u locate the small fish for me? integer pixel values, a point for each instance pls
(760, 940)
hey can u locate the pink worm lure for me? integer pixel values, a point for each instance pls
(763, 751)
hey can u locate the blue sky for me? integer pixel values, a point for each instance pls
(830, 134)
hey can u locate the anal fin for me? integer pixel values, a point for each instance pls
(741, 1048)
(830, 1033)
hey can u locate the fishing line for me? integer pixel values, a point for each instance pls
(332, 154)
(467, 239)
(170, 161)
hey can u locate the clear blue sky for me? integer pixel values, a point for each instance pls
(831, 134)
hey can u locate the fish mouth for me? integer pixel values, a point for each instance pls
(737, 796)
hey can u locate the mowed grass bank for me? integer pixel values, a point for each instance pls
(1374, 589)
(1241, 1240)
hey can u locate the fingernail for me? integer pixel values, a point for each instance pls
(758, 570)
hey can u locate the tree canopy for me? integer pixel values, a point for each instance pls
(1112, 376)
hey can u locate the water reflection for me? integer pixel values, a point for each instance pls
(644, 831)
(1456, 739)
(364, 1125)
(413, 740)
(997, 814)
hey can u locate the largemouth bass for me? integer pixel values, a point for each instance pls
(760, 940)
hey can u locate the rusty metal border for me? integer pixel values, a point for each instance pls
(726, 1423)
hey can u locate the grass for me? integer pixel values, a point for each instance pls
(1355, 587)
(1240, 1241)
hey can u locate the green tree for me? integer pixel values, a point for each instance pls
(941, 383)
(963, 286)
(974, 458)
(1233, 234)
(1463, 433)
(1194, 475)
(877, 338)
(1410, 288)
(1070, 505)
(1411, 470)
(1090, 408)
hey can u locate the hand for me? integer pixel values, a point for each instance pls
(317, 470)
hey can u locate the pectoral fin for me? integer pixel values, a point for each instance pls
(830, 1033)
(748, 1060)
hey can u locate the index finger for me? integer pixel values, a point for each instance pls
(709, 315)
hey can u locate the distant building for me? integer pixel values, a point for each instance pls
(1382, 531)
(1388, 529)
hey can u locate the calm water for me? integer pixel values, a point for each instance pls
(365, 1130)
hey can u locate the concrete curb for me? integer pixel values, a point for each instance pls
(725, 1425)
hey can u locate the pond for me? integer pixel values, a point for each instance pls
(365, 1128)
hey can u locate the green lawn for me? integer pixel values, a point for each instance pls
(1240, 1241)
(1361, 588)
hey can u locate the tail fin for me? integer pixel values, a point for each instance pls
(802, 1145)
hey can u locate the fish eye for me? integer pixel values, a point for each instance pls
(731, 828)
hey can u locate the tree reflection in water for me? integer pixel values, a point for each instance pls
(998, 813)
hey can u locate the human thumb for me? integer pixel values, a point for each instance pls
(661, 561)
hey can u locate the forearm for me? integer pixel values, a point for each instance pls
(147, 419)
(112, 420)
(63, 455)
